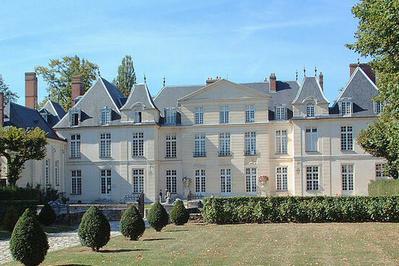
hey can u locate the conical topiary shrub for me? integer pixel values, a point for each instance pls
(158, 218)
(179, 214)
(132, 224)
(94, 229)
(28, 243)
(10, 218)
(47, 215)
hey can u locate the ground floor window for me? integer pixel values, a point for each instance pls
(171, 181)
(76, 186)
(312, 178)
(47, 172)
(250, 179)
(106, 181)
(57, 172)
(282, 178)
(200, 181)
(138, 180)
(347, 177)
(225, 180)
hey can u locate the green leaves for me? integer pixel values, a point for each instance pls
(126, 76)
(179, 214)
(132, 224)
(158, 218)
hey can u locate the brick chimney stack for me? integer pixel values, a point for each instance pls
(1, 109)
(365, 67)
(321, 81)
(77, 88)
(30, 90)
(273, 82)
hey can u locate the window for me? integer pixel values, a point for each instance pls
(171, 146)
(347, 177)
(105, 145)
(105, 116)
(312, 178)
(200, 181)
(76, 186)
(380, 171)
(281, 142)
(138, 144)
(346, 108)
(311, 138)
(199, 115)
(44, 114)
(310, 110)
(75, 146)
(171, 181)
(138, 180)
(57, 172)
(199, 145)
(250, 143)
(225, 180)
(282, 178)
(346, 138)
(74, 117)
(47, 172)
(249, 114)
(106, 181)
(281, 113)
(250, 180)
(378, 107)
(224, 144)
(137, 117)
(170, 116)
(224, 114)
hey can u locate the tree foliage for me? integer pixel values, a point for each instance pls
(19, 145)
(58, 76)
(377, 37)
(158, 218)
(132, 224)
(126, 75)
(179, 214)
(47, 215)
(9, 96)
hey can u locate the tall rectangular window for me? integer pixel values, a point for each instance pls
(171, 146)
(347, 177)
(224, 114)
(137, 117)
(200, 181)
(105, 115)
(57, 172)
(282, 178)
(311, 139)
(138, 144)
(199, 145)
(378, 107)
(170, 116)
(47, 172)
(281, 113)
(75, 146)
(346, 108)
(224, 144)
(105, 181)
(250, 143)
(249, 114)
(250, 180)
(105, 145)
(312, 178)
(281, 142)
(225, 180)
(76, 182)
(171, 181)
(380, 171)
(346, 138)
(138, 180)
(74, 117)
(199, 115)
(310, 110)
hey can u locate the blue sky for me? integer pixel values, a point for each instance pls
(185, 41)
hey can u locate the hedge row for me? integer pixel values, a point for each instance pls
(300, 209)
(18, 193)
(19, 205)
(386, 187)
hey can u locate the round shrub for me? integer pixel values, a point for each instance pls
(94, 229)
(179, 214)
(158, 218)
(132, 224)
(28, 243)
(10, 218)
(47, 215)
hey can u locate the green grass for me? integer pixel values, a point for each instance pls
(247, 244)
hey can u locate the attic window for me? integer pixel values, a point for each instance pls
(170, 116)
(137, 117)
(74, 117)
(105, 116)
(281, 113)
(310, 110)
(45, 116)
(346, 108)
(378, 107)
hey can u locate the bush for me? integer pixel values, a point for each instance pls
(28, 243)
(300, 209)
(385, 187)
(19, 205)
(10, 218)
(18, 193)
(47, 215)
(94, 229)
(132, 224)
(179, 214)
(158, 218)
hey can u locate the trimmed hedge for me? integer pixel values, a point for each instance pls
(18, 193)
(19, 205)
(179, 214)
(300, 209)
(386, 187)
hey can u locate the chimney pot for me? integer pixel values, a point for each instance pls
(273, 82)
(77, 88)
(1, 109)
(321, 81)
(30, 90)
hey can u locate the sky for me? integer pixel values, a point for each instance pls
(184, 41)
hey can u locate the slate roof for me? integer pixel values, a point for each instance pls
(139, 94)
(114, 92)
(169, 95)
(310, 89)
(54, 112)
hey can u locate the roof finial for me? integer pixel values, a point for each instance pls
(164, 81)
(315, 71)
(304, 72)
(145, 79)
(296, 75)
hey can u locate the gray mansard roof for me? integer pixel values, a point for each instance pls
(54, 112)
(139, 94)
(310, 89)
(169, 95)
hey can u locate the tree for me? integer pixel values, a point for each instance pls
(9, 96)
(132, 224)
(126, 76)
(377, 37)
(158, 218)
(47, 215)
(58, 76)
(19, 145)
(28, 243)
(179, 214)
(94, 229)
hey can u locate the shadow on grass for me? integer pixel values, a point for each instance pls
(122, 250)
(74, 264)
(4, 235)
(161, 238)
(176, 230)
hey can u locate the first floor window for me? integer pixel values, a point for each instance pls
(224, 114)
(138, 144)
(199, 115)
(224, 144)
(57, 172)
(311, 138)
(347, 177)
(281, 142)
(171, 146)
(250, 143)
(380, 171)
(200, 181)
(312, 178)
(47, 172)
(250, 114)
(138, 180)
(346, 138)
(199, 145)
(105, 145)
(171, 181)
(282, 178)
(225, 180)
(250, 179)
(106, 181)
(75, 146)
(76, 186)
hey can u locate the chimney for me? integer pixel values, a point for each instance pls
(321, 81)
(272, 82)
(365, 67)
(77, 88)
(1, 109)
(212, 80)
(30, 90)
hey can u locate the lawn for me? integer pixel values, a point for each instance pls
(253, 244)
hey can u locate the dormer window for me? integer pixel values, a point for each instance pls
(310, 110)
(74, 117)
(281, 113)
(170, 116)
(105, 115)
(137, 117)
(44, 115)
(378, 107)
(346, 108)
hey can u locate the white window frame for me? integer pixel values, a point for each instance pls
(250, 143)
(224, 144)
(47, 172)
(105, 145)
(347, 175)
(378, 107)
(138, 144)
(200, 181)
(310, 110)
(250, 180)
(224, 114)
(346, 108)
(380, 171)
(105, 116)
(171, 181)
(311, 139)
(138, 180)
(282, 178)
(199, 115)
(250, 113)
(312, 178)
(170, 146)
(280, 112)
(105, 181)
(138, 117)
(76, 182)
(346, 138)
(74, 119)
(75, 146)
(281, 141)
(225, 180)
(57, 172)
(199, 145)
(170, 115)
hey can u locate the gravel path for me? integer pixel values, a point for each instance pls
(56, 241)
